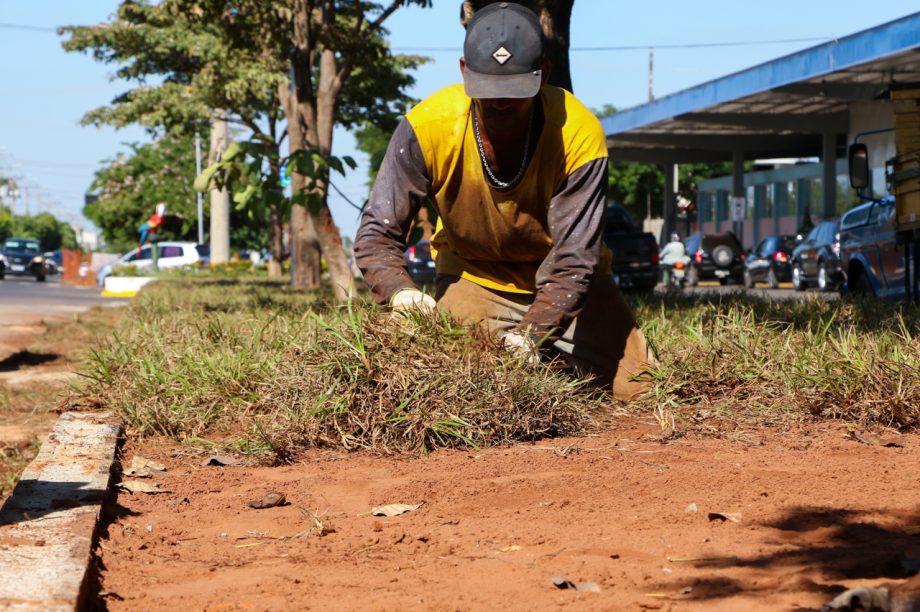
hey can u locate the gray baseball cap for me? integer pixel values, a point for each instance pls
(503, 52)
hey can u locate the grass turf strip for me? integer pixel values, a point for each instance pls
(254, 366)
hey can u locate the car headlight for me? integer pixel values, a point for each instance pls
(37, 259)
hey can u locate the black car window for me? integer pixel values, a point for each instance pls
(22, 246)
(144, 254)
(855, 218)
(618, 221)
(885, 214)
(873, 215)
(763, 248)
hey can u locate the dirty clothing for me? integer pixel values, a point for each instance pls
(602, 340)
(542, 235)
(539, 240)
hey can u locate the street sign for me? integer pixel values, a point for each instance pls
(739, 208)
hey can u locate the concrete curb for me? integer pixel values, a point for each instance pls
(47, 525)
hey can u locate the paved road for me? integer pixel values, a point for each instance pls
(784, 292)
(25, 298)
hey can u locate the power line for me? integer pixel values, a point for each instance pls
(26, 28)
(702, 45)
(738, 43)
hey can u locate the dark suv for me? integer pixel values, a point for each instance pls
(718, 256)
(817, 259)
(870, 254)
(22, 257)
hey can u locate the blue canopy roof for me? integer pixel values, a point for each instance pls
(786, 102)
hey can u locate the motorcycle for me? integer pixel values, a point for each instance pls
(674, 275)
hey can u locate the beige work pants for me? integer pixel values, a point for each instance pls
(602, 340)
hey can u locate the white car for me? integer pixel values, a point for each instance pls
(170, 255)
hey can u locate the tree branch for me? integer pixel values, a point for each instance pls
(375, 24)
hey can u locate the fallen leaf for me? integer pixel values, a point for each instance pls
(561, 582)
(512, 548)
(139, 486)
(876, 441)
(221, 460)
(141, 467)
(691, 508)
(269, 501)
(734, 517)
(394, 509)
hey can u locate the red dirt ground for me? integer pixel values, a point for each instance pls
(819, 512)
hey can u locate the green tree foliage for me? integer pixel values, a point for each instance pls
(6, 223)
(52, 233)
(189, 57)
(129, 187)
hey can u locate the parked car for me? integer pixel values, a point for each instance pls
(870, 256)
(718, 256)
(635, 253)
(816, 260)
(170, 255)
(22, 257)
(770, 261)
(420, 264)
(53, 262)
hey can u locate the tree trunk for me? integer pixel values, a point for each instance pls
(311, 118)
(330, 239)
(305, 252)
(555, 17)
(275, 242)
(220, 200)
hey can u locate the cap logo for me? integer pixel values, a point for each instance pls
(502, 55)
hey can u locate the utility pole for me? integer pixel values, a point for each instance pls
(220, 199)
(198, 197)
(651, 73)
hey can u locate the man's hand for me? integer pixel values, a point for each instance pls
(406, 300)
(521, 345)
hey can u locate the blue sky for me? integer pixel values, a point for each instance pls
(44, 92)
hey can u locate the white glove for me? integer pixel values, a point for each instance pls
(405, 300)
(521, 345)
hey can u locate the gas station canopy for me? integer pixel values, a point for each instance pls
(788, 107)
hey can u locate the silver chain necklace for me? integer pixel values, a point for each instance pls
(485, 163)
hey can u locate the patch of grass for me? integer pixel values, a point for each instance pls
(267, 370)
(736, 355)
(251, 365)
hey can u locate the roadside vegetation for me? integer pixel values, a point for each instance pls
(738, 357)
(253, 366)
(256, 367)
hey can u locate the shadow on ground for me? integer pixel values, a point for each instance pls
(818, 548)
(26, 358)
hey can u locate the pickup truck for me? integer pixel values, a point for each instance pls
(635, 253)
(871, 255)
